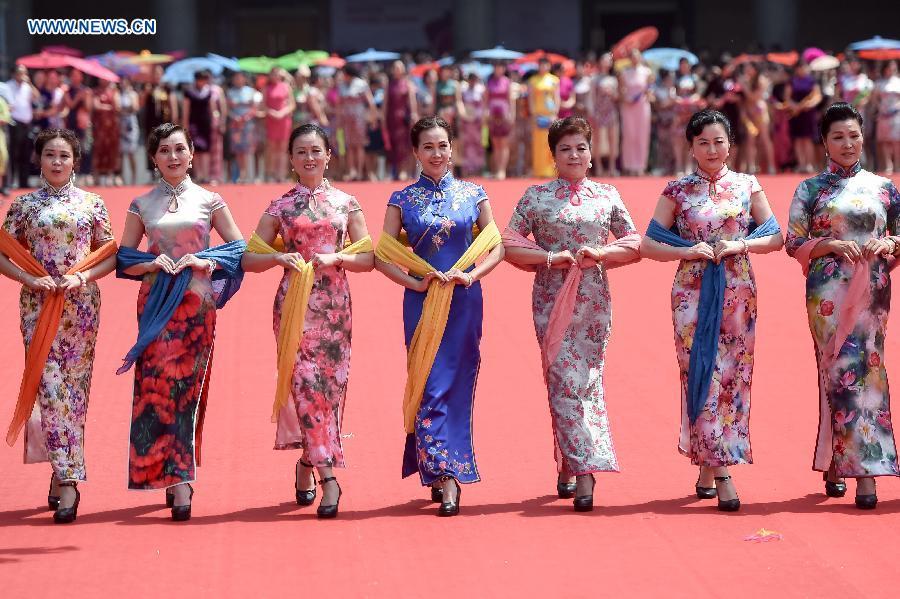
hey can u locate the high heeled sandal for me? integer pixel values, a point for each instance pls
(836, 488)
(450, 508)
(565, 489)
(704, 492)
(585, 503)
(304, 496)
(182, 513)
(329, 511)
(727, 505)
(52, 500)
(65, 515)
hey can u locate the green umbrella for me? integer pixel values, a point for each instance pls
(311, 56)
(292, 60)
(257, 64)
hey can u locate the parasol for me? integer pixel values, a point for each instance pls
(257, 64)
(373, 55)
(183, 71)
(496, 53)
(44, 60)
(227, 63)
(875, 43)
(824, 63)
(334, 61)
(668, 58)
(640, 39)
(884, 54)
(145, 57)
(92, 68)
(787, 59)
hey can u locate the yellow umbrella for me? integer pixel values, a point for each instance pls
(145, 57)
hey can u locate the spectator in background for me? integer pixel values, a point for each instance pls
(129, 129)
(279, 106)
(501, 117)
(803, 95)
(887, 128)
(23, 94)
(400, 112)
(356, 109)
(472, 123)
(242, 108)
(105, 122)
(634, 86)
(605, 118)
(375, 148)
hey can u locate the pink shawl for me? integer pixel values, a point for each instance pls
(564, 306)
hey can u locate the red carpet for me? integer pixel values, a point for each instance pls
(647, 536)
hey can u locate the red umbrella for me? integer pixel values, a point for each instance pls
(92, 68)
(420, 69)
(739, 60)
(539, 54)
(64, 50)
(787, 59)
(333, 61)
(640, 39)
(44, 60)
(883, 54)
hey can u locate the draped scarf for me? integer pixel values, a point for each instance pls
(435, 311)
(709, 313)
(47, 325)
(293, 311)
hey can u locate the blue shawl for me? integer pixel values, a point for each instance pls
(709, 313)
(167, 290)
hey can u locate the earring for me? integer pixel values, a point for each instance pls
(590, 165)
(191, 164)
(72, 178)
(44, 182)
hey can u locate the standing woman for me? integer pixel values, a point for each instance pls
(56, 242)
(173, 353)
(129, 104)
(438, 213)
(197, 120)
(543, 106)
(713, 299)
(400, 111)
(803, 95)
(107, 157)
(605, 103)
(471, 126)
(242, 108)
(313, 220)
(843, 228)
(278, 104)
(634, 84)
(356, 109)
(887, 130)
(571, 219)
(501, 118)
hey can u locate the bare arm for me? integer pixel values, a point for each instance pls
(364, 262)
(267, 230)
(495, 256)
(761, 212)
(392, 225)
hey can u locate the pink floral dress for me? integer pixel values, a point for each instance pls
(582, 437)
(60, 229)
(721, 434)
(315, 222)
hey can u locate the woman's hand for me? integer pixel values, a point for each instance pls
(847, 250)
(289, 260)
(425, 283)
(163, 263)
(193, 262)
(40, 283)
(326, 260)
(458, 277)
(562, 260)
(67, 282)
(725, 248)
(878, 247)
(589, 257)
(701, 251)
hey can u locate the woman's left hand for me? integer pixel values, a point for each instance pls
(325, 260)
(588, 257)
(877, 247)
(67, 282)
(725, 248)
(457, 277)
(193, 262)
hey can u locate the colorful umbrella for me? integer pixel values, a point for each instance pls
(741, 59)
(291, 61)
(640, 39)
(311, 56)
(227, 63)
(787, 59)
(875, 43)
(533, 57)
(183, 71)
(334, 61)
(810, 54)
(44, 60)
(145, 57)
(257, 64)
(64, 50)
(824, 63)
(482, 69)
(118, 63)
(886, 54)
(92, 68)
(497, 53)
(373, 55)
(668, 58)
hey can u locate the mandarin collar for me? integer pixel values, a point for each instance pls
(322, 187)
(441, 185)
(53, 192)
(712, 178)
(841, 172)
(174, 192)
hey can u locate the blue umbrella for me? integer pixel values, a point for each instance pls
(183, 70)
(372, 55)
(228, 63)
(116, 63)
(497, 53)
(668, 58)
(447, 60)
(483, 70)
(875, 43)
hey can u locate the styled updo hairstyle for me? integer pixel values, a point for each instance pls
(426, 123)
(306, 129)
(161, 132)
(571, 125)
(839, 111)
(47, 135)
(702, 118)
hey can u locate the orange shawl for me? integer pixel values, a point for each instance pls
(47, 325)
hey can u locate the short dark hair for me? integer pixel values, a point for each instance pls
(426, 123)
(306, 129)
(47, 135)
(571, 125)
(839, 111)
(163, 131)
(702, 118)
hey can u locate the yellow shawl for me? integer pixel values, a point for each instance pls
(435, 311)
(293, 312)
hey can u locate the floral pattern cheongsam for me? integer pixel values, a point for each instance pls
(710, 211)
(315, 222)
(438, 218)
(583, 442)
(855, 430)
(60, 229)
(171, 377)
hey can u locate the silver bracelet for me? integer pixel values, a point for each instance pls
(746, 246)
(81, 278)
(549, 259)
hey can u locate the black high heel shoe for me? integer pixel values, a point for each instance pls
(585, 503)
(170, 497)
(727, 505)
(65, 515)
(437, 494)
(304, 496)
(704, 492)
(52, 500)
(450, 508)
(834, 489)
(565, 490)
(329, 511)
(866, 502)
(182, 513)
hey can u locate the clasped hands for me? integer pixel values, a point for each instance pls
(585, 257)
(454, 276)
(722, 249)
(167, 265)
(54, 285)
(850, 250)
(294, 259)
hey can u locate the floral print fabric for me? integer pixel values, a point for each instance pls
(710, 211)
(315, 222)
(60, 230)
(855, 416)
(583, 441)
